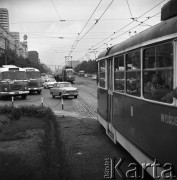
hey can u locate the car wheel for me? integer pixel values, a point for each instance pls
(53, 96)
(75, 96)
(39, 91)
(24, 96)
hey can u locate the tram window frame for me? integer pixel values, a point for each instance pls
(119, 71)
(102, 74)
(133, 71)
(158, 80)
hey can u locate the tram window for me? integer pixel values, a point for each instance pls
(119, 77)
(133, 83)
(102, 74)
(158, 81)
(149, 58)
(133, 60)
(164, 55)
(133, 75)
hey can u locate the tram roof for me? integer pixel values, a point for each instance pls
(153, 34)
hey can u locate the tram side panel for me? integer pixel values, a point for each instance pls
(102, 103)
(149, 126)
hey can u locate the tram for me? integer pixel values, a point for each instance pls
(137, 93)
(68, 74)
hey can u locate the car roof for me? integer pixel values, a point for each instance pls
(63, 83)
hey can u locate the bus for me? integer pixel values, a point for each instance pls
(81, 73)
(13, 81)
(34, 79)
(68, 74)
(137, 93)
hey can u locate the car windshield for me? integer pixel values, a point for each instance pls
(69, 72)
(65, 85)
(51, 80)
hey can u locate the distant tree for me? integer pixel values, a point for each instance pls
(87, 66)
(14, 59)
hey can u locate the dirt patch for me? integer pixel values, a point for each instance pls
(87, 146)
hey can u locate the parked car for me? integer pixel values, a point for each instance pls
(64, 89)
(49, 83)
(94, 77)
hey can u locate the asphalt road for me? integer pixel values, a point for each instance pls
(86, 100)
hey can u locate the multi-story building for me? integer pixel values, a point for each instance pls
(16, 36)
(6, 40)
(33, 56)
(22, 49)
(4, 18)
(10, 40)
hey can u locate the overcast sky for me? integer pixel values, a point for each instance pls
(53, 26)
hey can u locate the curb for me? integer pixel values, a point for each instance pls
(66, 113)
(63, 114)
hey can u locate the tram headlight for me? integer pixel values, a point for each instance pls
(5, 89)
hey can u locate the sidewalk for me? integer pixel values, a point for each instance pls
(87, 147)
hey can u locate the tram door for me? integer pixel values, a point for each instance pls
(110, 96)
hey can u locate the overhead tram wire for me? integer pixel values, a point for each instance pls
(122, 34)
(56, 11)
(94, 23)
(129, 9)
(127, 31)
(66, 20)
(75, 42)
(96, 20)
(134, 20)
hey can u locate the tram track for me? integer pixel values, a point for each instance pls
(83, 108)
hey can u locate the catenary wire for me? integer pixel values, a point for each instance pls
(94, 24)
(75, 42)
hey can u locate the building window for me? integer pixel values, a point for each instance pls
(119, 74)
(133, 73)
(158, 73)
(102, 73)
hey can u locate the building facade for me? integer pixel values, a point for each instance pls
(16, 36)
(6, 40)
(10, 40)
(33, 56)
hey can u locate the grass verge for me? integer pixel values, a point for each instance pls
(48, 161)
